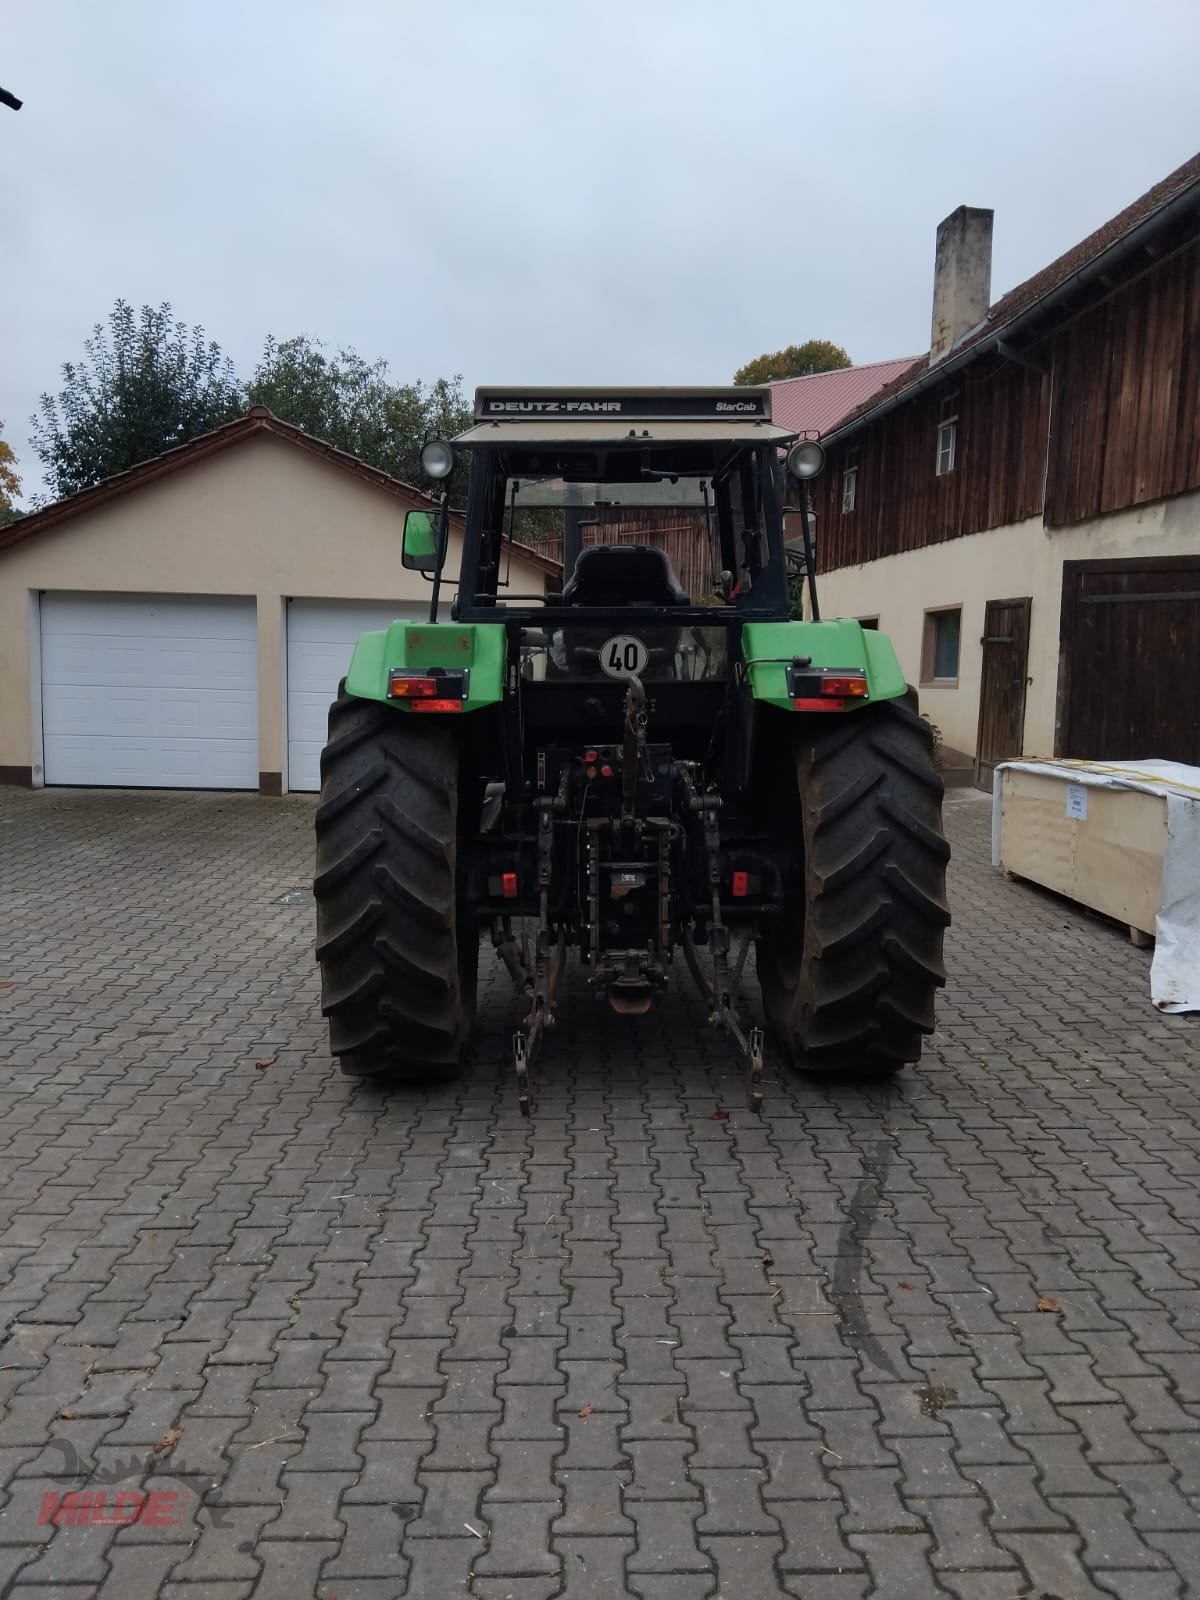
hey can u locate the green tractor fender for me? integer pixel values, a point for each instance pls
(476, 649)
(769, 648)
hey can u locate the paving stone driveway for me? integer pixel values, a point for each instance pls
(380, 1345)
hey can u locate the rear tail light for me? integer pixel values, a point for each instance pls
(826, 688)
(431, 690)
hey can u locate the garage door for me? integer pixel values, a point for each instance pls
(147, 691)
(320, 641)
(1131, 657)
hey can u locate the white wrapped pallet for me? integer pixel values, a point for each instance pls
(1122, 838)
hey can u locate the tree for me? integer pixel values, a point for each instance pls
(147, 382)
(352, 404)
(797, 361)
(10, 484)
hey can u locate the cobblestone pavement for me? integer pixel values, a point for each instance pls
(939, 1338)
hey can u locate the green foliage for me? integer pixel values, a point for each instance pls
(353, 405)
(797, 361)
(797, 581)
(10, 483)
(147, 383)
(938, 741)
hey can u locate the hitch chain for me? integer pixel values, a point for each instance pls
(527, 1044)
(724, 984)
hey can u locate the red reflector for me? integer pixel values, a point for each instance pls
(819, 705)
(436, 705)
(855, 685)
(741, 885)
(508, 885)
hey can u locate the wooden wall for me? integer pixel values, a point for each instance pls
(1126, 424)
(901, 503)
(1113, 422)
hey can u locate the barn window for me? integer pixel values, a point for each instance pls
(947, 435)
(939, 653)
(850, 481)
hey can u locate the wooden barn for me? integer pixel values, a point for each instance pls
(1020, 508)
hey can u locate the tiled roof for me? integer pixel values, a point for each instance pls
(817, 403)
(1026, 295)
(257, 420)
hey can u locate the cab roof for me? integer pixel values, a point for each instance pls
(612, 416)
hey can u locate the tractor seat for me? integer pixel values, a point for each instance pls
(624, 574)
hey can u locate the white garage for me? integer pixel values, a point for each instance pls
(320, 640)
(149, 691)
(184, 624)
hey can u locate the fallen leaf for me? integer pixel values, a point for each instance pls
(719, 1115)
(267, 1061)
(904, 1285)
(168, 1440)
(67, 1415)
(1045, 1303)
(586, 1411)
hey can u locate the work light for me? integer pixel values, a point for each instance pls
(437, 459)
(805, 459)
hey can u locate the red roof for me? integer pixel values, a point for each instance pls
(819, 402)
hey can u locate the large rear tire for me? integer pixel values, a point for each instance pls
(398, 963)
(850, 969)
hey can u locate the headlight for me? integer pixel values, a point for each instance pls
(805, 459)
(437, 459)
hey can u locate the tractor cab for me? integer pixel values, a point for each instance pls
(654, 500)
(665, 511)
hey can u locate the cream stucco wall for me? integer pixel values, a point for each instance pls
(263, 518)
(1005, 563)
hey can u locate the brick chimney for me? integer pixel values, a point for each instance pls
(962, 277)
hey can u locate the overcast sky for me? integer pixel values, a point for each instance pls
(544, 191)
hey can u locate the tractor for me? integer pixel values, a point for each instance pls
(621, 772)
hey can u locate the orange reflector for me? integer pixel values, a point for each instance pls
(853, 685)
(436, 705)
(508, 885)
(412, 688)
(817, 705)
(741, 885)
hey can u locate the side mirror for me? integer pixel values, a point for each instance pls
(420, 548)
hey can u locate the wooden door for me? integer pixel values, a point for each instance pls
(1002, 685)
(1130, 684)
